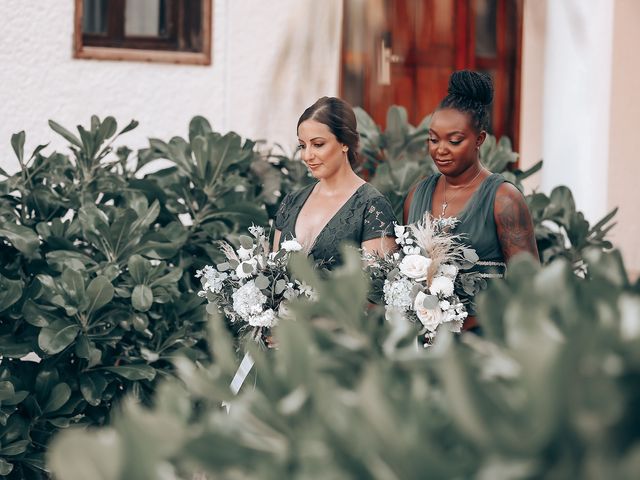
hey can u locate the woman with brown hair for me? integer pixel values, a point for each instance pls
(340, 206)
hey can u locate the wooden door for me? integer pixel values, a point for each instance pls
(401, 52)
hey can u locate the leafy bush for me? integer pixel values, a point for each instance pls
(96, 271)
(550, 392)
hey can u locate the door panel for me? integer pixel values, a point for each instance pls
(419, 43)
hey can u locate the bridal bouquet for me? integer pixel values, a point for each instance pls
(418, 281)
(252, 287)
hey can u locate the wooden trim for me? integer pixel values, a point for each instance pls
(77, 29)
(462, 22)
(204, 57)
(517, 78)
(130, 54)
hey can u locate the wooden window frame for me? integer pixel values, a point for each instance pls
(154, 49)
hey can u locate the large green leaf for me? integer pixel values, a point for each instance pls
(57, 336)
(133, 371)
(73, 285)
(92, 386)
(139, 268)
(38, 315)
(22, 238)
(5, 467)
(99, 292)
(60, 395)
(243, 213)
(17, 142)
(60, 130)
(120, 234)
(142, 297)
(10, 292)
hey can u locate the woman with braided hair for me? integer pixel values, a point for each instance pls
(493, 217)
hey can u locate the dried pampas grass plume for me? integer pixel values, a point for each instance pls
(438, 243)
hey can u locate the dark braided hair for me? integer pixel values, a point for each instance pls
(338, 115)
(470, 92)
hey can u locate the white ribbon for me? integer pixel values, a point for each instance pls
(241, 374)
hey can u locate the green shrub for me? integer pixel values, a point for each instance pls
(97, 271)
(551, 391)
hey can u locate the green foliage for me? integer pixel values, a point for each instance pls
(97, 271)
(551, 391)
(398, 158)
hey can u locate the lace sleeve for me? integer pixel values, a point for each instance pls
(282, 213)
(378, 219)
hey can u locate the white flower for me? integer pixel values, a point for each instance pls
(397, 294)
(429, 317)
(306, 290)
(291, 245)
(448, 270)
(441, 286)
(399, 230)
(415, 266)
(396, 256)
(240, 272)
(411, 250)
(265, 319)
(213, 279)
(248, 300)
(256, 231)
(244, 253)
(444, 305)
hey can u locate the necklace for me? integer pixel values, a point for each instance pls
(445, 204)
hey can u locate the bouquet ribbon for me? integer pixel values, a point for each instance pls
(241, 374)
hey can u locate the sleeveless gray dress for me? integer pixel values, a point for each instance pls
(365, 216)
(476, 225)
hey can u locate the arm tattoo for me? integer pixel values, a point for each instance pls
(514, 225)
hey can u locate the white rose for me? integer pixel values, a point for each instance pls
(441, 286)
(253, 263)
(429, 317)
(245, 253)
(448, 270)
(291, 245)
(415, 266)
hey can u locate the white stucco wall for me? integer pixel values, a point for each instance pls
(577, 96)
(270, 60)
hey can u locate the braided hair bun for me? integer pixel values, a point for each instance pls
(470, 92)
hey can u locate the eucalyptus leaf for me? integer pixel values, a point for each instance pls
(262, 282)
(280, 287)
(246, 242)
(430, 302)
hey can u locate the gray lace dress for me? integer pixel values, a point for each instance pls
(366, 215)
